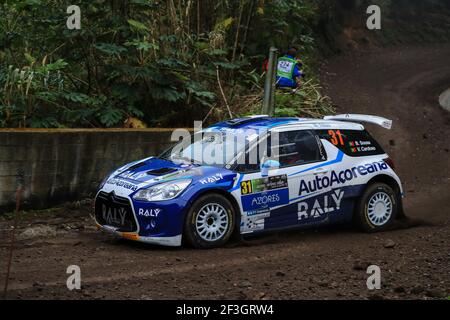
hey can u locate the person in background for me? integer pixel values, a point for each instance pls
(288, 70)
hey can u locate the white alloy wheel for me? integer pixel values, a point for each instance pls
(379, 208)
(212, 222)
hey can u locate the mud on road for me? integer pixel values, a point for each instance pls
(402, 84)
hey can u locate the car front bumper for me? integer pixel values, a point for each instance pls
(173, 241)
(150, 222)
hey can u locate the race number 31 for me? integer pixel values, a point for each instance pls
(246, 187)
(336, 137)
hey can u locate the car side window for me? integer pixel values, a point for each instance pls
(354, 143)
(251, 161)
(296, 148)
(291, 148)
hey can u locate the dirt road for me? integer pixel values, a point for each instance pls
(402, 84)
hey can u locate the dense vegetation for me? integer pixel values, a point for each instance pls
(157, 61)
(162, 63)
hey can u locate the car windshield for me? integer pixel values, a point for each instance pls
(213, 147)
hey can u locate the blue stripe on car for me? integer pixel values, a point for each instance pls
(238, 184)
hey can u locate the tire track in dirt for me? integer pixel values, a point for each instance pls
(170, 270)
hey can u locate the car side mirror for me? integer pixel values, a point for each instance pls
(268, 165)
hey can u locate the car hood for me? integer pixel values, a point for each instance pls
(148, 172)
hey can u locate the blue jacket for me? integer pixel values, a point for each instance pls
(288, 83)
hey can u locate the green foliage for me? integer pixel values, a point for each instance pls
(158, 61)
(110, 48)
(305, 102)
(110, 116)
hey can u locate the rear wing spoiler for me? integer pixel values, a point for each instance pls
(382, 122)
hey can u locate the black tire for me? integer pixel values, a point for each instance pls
(368, 219)
(192, 222)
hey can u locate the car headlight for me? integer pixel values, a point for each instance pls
(163, 191)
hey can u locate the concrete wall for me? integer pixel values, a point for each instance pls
(62, 165)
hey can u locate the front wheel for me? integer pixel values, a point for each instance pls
(210, 222)
(377, 208)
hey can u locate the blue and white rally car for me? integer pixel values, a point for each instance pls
(273, 174)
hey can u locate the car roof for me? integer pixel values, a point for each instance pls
(265, 123)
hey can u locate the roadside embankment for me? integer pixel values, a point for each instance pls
(61, 165)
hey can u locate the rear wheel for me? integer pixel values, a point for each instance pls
(210, 222)
(377, 208)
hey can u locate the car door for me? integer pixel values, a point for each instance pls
(270, 202)
(302, 158)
